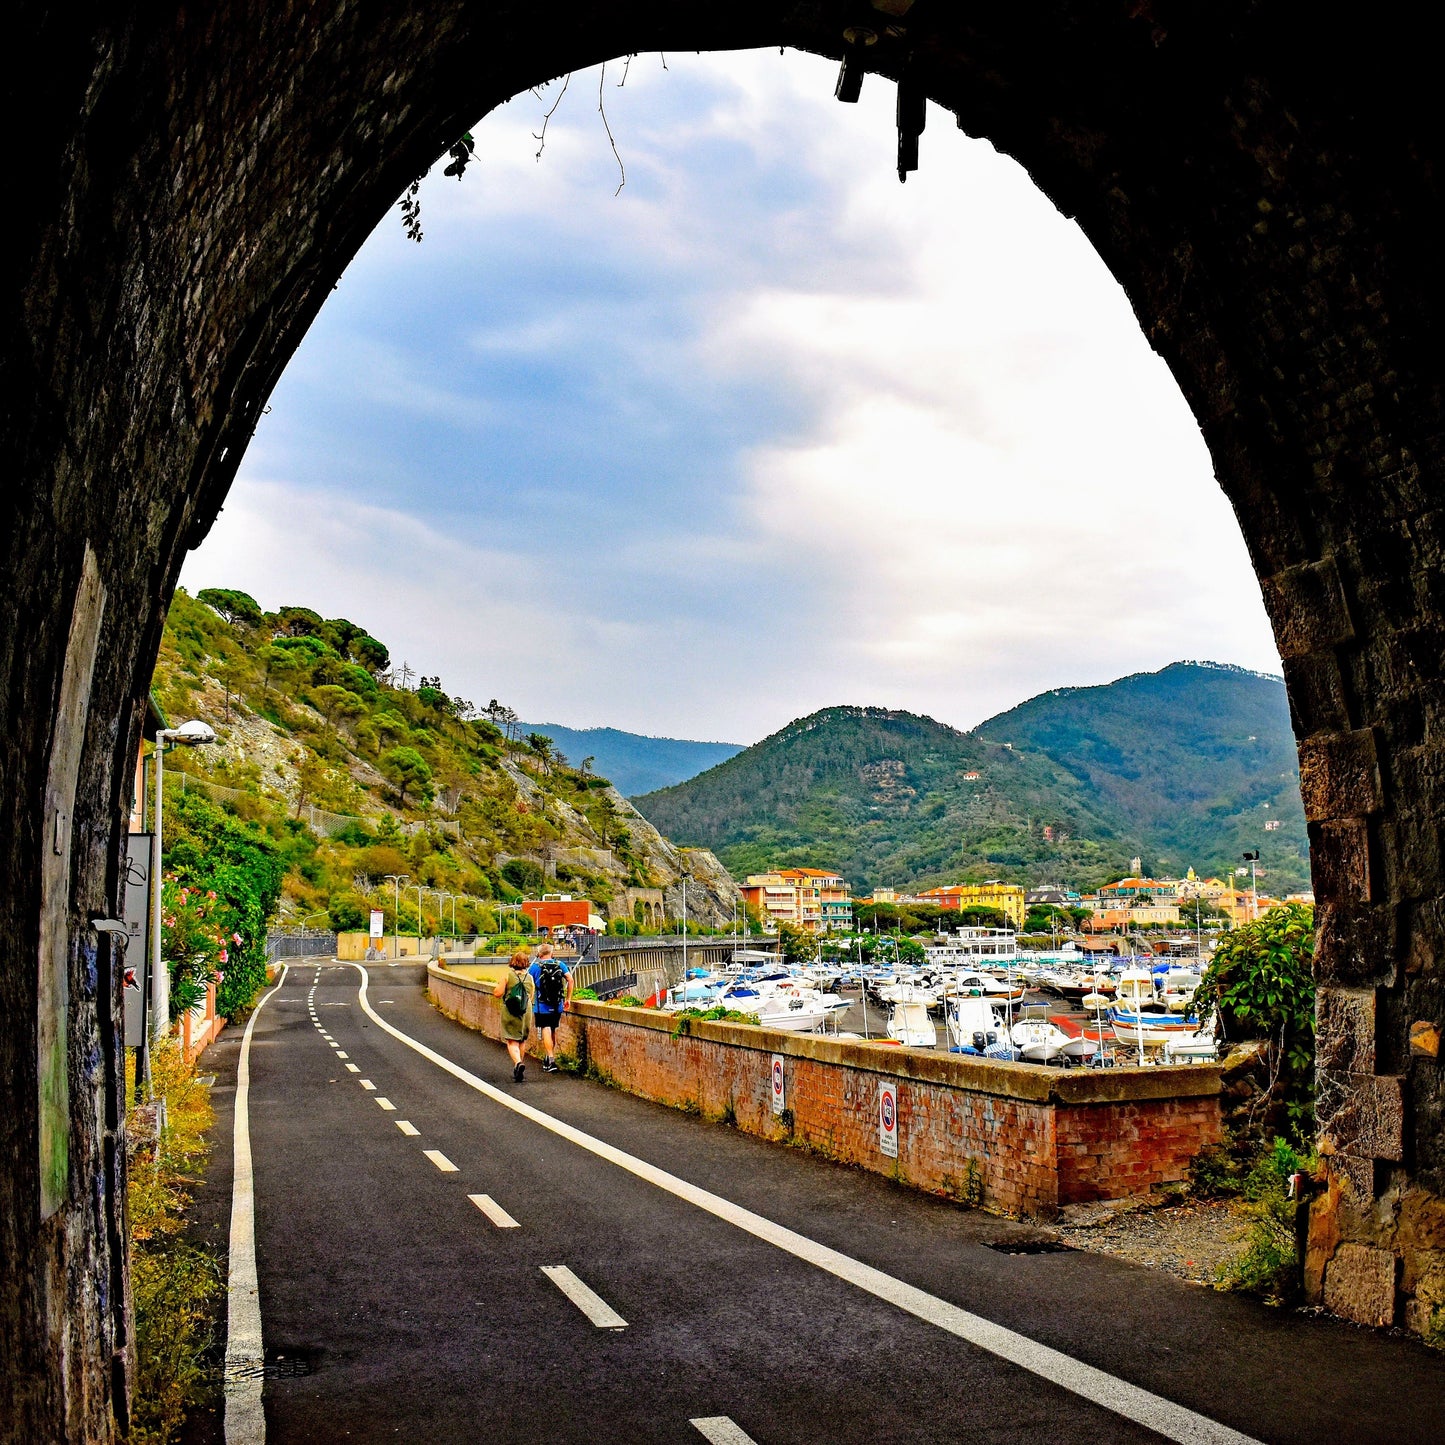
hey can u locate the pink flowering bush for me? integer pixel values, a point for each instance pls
(194, 941)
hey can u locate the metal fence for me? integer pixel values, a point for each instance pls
(300, 943)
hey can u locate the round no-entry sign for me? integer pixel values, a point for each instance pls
(888, 1120)
(778, 1090)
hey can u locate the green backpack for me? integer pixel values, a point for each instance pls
(515, 998)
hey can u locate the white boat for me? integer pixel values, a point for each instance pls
(1178, 987)
(910, 1024)
(909, 993)
(974, 1024)
(1039, 1041)
(1199, 1047)
(1136, 989)
(986, 984)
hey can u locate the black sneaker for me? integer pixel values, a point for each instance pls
(550, 1066)
(517, 1073)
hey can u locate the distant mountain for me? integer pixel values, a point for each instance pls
(1176, 767)
(1193, 759)
(633, 762)
(891, 797)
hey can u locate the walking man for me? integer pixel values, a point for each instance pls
(551, 993)
(516, 992)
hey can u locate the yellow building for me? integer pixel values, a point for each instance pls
(1005, 898)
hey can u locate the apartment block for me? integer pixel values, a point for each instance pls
(803, 897)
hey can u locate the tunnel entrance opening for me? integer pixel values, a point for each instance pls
(1264, 188)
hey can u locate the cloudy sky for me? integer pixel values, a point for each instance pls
(764, 432)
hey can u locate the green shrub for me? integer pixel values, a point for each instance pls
(1269, 1263)
(1261, 982)
(586, 994)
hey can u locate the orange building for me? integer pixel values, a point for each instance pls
(808, 898)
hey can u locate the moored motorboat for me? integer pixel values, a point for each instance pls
(910, 1025)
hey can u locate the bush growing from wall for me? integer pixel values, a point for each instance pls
(1261, 983)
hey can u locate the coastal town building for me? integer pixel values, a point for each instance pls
(808, 898)
(1005, 898)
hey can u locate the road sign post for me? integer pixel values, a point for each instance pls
(888, 1119)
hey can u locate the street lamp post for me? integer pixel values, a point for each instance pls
(441, 910)
(1252, 858)
(191, 734)
(396, 880)
(420, 919)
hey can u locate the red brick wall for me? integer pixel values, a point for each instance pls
(1022, 1139)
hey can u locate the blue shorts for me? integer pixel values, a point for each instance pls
(543, 1020)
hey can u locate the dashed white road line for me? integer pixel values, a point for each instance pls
(440, 1160)
(384, 1103)
(721, 1431)
(494, 1211)
(591, 1304)
(245, 1418)
(341, 1053)
(1174, 1422)
(366, 1083)
(408, 1128)
(353, 1068)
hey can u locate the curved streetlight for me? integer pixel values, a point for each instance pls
(189, 735)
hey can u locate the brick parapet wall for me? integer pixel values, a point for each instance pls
(1020, 1138)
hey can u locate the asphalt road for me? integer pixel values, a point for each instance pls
(393, 1307)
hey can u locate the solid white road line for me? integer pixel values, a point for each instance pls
(721, 1431)
(366, 1083)
(440, 1160)
(494, 1211)
(245, 1417)
(592, 1305)
(408, 1128)
(1174, 1422)
(384, 1103)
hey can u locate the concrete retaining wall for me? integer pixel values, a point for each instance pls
(1017, 1138)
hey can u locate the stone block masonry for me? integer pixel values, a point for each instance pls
(1019, 1139)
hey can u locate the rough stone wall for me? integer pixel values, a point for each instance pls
(1028, 1139)
(191, 182)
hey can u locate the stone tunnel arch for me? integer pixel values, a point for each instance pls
(194, 180)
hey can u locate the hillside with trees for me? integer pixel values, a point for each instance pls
(1193, 759)
(890, 797)
(1181, 767)
(345, 768)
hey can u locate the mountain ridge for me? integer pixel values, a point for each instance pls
(1179, 766)
(636, 762)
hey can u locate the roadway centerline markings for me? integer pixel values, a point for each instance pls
(340, 1052)
(721, 1431)
(440, 1160)
(366, 1083)
(494, 1211)
(408, 1128)
(353, 1068)
(384, 1103)
(591, 1304)
(1165, 1417)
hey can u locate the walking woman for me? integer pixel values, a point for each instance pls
(515, 992)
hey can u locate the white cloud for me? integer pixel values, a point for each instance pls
(983, 483)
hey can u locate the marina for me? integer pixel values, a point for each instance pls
(974, 993)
